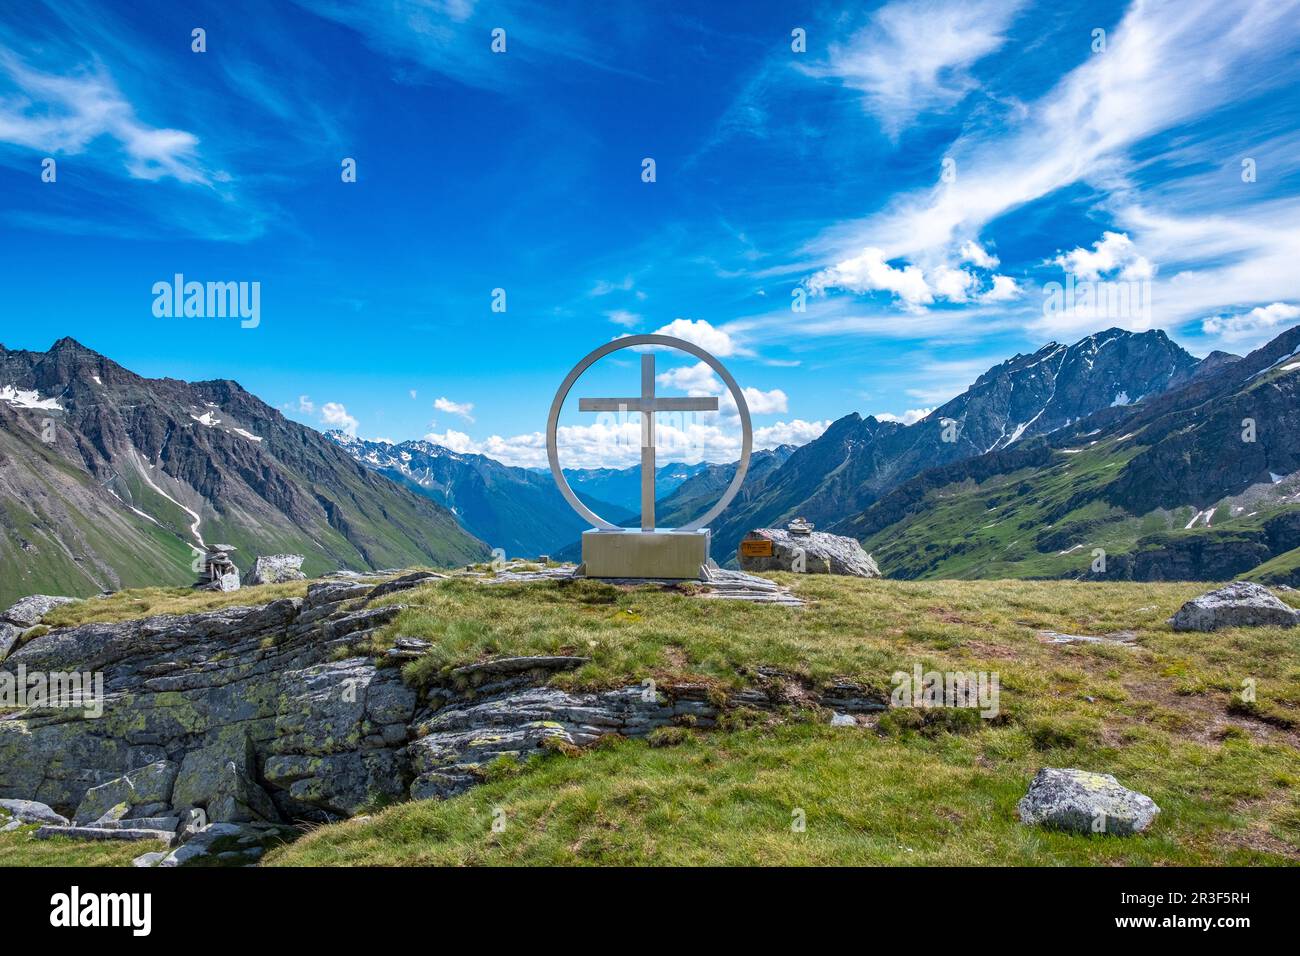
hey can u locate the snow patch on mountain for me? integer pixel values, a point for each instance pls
(28, 398)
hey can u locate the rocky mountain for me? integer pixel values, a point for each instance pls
(517, 509)
(622, 486)
(1201, 482)
(857, 459)
(109, 480)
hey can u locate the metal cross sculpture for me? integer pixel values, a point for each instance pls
(647, 404)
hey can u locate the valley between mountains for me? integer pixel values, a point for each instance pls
(1121, 446)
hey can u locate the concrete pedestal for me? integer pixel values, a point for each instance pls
(630, 553)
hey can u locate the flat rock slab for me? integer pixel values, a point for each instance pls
(101, 833)
(1084, 802)
(29, 811)
(1122, 638)
(1240, 604)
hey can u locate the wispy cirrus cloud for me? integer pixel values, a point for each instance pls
(63, 114)
(1166, 66)
(914, 58)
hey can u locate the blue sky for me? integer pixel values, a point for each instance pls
(921, 173)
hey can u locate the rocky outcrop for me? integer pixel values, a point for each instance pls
(29, 811)
(815, 552)
(1085, 802)
(29, 611)
(230, 724)
(1240, 604)
(25, 615)
(277, 569)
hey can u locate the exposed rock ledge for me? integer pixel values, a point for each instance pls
(242, 712)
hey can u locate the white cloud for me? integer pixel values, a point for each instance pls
(1166, 64)
(702, 333)
(605, 287)
(412, 393)
(869, 272)
(64, 114)
(463, 409)
(774, 402)
(909, 417)
(305, 405)
(915, 57)
(1259, 323)
(335, 415)
(797, 432)
(1004, 289)
(623, 317)
(1113, 253)
(697, 379)
(972, 252)
(914, 287)
(610, 443)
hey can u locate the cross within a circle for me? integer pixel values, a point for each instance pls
(647, 404)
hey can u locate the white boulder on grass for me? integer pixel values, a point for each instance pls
(1081, 801)
(1240, 604)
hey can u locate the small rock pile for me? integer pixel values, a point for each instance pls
(219, 572)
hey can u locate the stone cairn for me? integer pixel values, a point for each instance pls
(219, 572)
(800, 526)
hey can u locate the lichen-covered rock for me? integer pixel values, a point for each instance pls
(9, 634)
(1240, 604)
(148, 784)
(29, 611)
(29, 811)
(814, 553)
(1084, 802)
(277, 569)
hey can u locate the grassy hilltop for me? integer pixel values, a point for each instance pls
(911, 787)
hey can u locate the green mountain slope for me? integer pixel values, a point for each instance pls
(1168, 491)
(109, 480)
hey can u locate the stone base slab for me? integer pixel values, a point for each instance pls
(662, 554)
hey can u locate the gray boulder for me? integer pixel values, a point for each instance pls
(1240, 604)
(822, 554)
(148, 784)
(9, 634)
(277, 569)
(29, 611)
(1085, 802)
(29, 811)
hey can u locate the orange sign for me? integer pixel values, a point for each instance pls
(757, 548)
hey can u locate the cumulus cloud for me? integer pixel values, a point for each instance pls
(912, 286)
(909, 417)
(1113, 255)
(305, 405)
(869, 272)
(1259, 322)
(335, 415)
(699, 332)
(614, 442)
(463, 409)
(972, 252)
(1004, 289)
